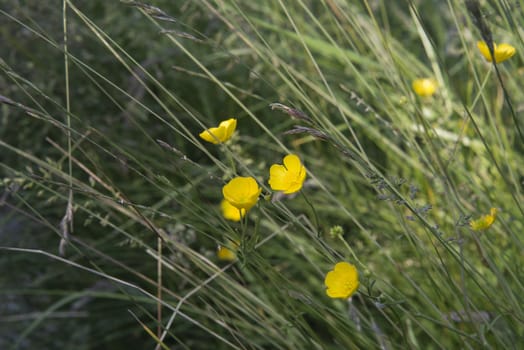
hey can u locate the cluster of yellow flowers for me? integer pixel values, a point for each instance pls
(501, 53)
(241, 194)
(426, 87)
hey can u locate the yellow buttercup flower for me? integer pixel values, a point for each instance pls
(220, 134)
(342, 282)
(502, 52)
(228, 253)
(242, 192)
(230, 212)
(288, 177)
(485, 221)
(424, 87)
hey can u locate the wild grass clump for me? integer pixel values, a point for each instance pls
(261, 175)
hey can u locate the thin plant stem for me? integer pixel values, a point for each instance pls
(350, 250)
(508, 102)
(159, 288)
(66, 225)
(314, 212)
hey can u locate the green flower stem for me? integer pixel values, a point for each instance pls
(229, 158)
(314, 212)
(350, 250)
(243, 224)
(508, 101)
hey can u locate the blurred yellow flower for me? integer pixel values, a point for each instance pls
(424, 87)
(342, 282)
(226, 254)
(242, 192)
(288, 177)
(229, 252)
(220, 134)
(230, 212)
(485, 221)
(502, 52)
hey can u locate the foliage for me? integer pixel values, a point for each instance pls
(111, 211)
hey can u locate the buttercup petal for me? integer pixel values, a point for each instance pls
(293, 187)
(230, 125)
(331, 279)
(292, 163)
(504, 52)
(484, 50)
(297, 182)
(231, 212)
(213, 135)
(278, 177)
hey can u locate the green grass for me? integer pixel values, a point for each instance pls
(109, 212)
